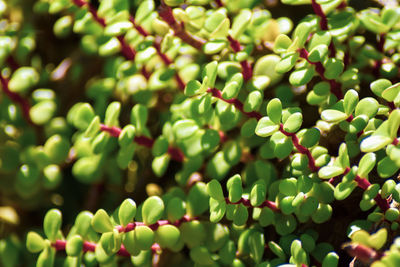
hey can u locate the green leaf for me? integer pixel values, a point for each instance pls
(301, 76)
(57, 148)
(367, 106)
(344, 189)
(394, 123)
(152, 211)
(217, 24)
(23, 79)
(144, 237)
(282, 43)
(192, 88)
(176, 209)
(144, 10)
(235, 190)
(112, 113)
(210, 140)
(201, 255)
(43, 111)
(331, 260)
(310, 137)
(214, 46)
(322, 214)
(34, 242)
(367, 163)
(160, 164)
(264, 72)
(52, 224)
(127, 211)
(83, 116)
(287, 63)
(230, 90)
(374, 143)
(167, 236)
(240, 23)
(184, 129)
(378, 86)
(253, 101)
(258, 193)
(217, 209)
(240, 215)
(285, 224)
(210, 71)
(117, 28)
(301, 32)
(318, 53)
(267, 217)
(126, 136)
(274, 110)
(46, 257)
(74, 246)
(214, 189)
(330, 171)
(256, 246)
(266, 127)
(386, 167)
(333, 115)
(333, 68)
(293, 123)
(350, 101)
(93, 128)
(101, 222)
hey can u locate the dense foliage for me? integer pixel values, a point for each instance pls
(199, 133)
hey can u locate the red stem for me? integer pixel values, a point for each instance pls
(12, 63)
(335, 86)
(320, 13)
(236, 102)
(219, 3)
(364, 254)
(60, 245)
(254, 114)
(175, 153)
(267, 203)
(246, 66)
(127, 51)
(363, 183)
(302, 149)
(167, 61)
(131, 226)
(166, 14)
(378, 63)
(16, 98)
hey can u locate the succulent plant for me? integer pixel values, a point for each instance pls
(199, 133)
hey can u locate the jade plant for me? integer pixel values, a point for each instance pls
(199, 133)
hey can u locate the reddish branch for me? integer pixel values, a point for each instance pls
(378, 63)
(334, 85)
(174, 152)
(267, 203)
(246, 66)
(301, 149)
(60, 245)
(365, 254)
(167, 15)
(168, 62)
(162, 55)
(154, 226)
(236, 102)
(17, 99)
(320, 13)
(128, 52)
(363, 183)
(254, 114)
